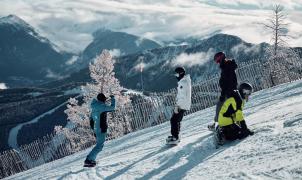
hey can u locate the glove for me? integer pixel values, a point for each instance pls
(250, 132)
(176, 110)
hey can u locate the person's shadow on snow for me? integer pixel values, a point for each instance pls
(195, 154)
(125, 169)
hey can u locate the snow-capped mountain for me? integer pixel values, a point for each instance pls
(158, 64)
(26, 58)
(119, 43)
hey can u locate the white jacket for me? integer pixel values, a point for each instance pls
(183, 98)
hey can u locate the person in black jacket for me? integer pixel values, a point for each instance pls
(227, 82)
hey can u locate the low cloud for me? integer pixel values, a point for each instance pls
(243, 48)
(141, 66)
(189, 60)
(72, 60)
(70, 24)
(139, 41)
(3, 86)
(53, 75)
(115, 52)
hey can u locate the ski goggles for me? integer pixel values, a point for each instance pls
(247, 92)
(218, 59)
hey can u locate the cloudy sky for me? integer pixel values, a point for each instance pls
(70, 23)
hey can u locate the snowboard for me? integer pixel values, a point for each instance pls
(172, 144)
(89, 165)
(216, 142)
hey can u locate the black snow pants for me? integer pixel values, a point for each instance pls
(233, 132)
(218, 107)
(175, 122)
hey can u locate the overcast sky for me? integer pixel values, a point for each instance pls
(69, 23)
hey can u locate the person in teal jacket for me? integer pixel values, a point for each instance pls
(99, 115)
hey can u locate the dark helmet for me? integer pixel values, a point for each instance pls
(219, 57)
(245, 88)
(101, 97)
(180, 70)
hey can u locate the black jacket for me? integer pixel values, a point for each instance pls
(228, 78)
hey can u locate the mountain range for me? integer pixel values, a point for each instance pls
(29, 59)
(159, 63)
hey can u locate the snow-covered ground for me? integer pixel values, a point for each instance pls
(274, 152)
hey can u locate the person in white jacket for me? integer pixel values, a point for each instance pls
(183, 103)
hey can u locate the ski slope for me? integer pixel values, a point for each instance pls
(274, 152)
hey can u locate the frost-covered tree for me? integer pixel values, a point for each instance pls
(104, 81)
(284, 63)
(101, 71)
(77, 130)
(277, 26)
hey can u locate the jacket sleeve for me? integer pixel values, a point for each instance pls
(111, 107)
(233, 65)
(180, 98)
(188, 91)
(183, 99)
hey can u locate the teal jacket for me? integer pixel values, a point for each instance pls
(98, 110)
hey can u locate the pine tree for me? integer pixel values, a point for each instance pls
(283, 61)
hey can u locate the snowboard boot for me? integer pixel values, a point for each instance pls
(172, 140)
(89, 163)
(250, 132)
(211, 127)
(219, 136)
(169, 138)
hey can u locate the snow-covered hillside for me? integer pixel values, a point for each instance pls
(274, 152)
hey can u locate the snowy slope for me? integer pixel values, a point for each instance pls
(274, 152)
(20, 24)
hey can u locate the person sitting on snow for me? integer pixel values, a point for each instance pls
(231, 121)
